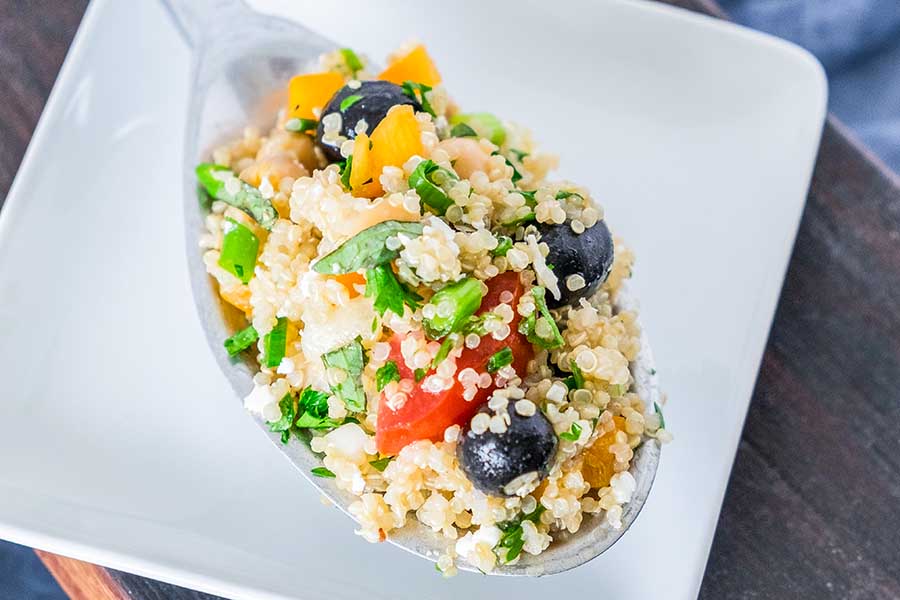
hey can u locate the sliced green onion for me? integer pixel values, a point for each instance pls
(301, 125)
(453, 305)
(444, 351)
(499, 359)
(350, 101)
(275, 344)
(239, 249)
(352, 61)
(216, 178)
(575, 381)
(367, 249)
(485, 124)
(427, 179)
(323, 472)
(241, 340)
(529, 324)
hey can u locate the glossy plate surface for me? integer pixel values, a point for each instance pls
(120, 441)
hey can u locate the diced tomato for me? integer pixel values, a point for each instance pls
(426, 415)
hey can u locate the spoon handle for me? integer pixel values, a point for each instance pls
(196, 17)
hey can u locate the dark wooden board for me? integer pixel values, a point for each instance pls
(813, 505)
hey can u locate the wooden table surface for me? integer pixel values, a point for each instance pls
(813, 504)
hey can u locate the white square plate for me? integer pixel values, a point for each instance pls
(121, 442)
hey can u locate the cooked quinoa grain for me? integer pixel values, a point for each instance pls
(413, 277)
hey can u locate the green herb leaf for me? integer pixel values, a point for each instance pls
(388, 293)
(313, 410)
(241, 340)
(500, 359)
(529, 324)
(247, 198)
(420, 374)
(504, 245)
(301, 125)
(286, 421)
(516, 176)
(659, 411)
(349, 359)
(275, 344)
(346, 168)
(520, 155)
(381, 464)
(446, 346)
(562, 194)
(572, 434)
(367, 248)
(385, 374)
(350, 101)
(353, 62)
(577, 376)
(483, 124)
(416, 91)
(512, 541)
(239, 249)
(463, 130)
(458, 301)
(432, 183)
(322, 472)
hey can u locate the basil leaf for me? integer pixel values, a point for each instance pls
(349, 359)
(241, 340)
(367, 248)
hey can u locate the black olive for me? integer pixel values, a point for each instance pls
(497, 463)
(375, 99)
(588, 254)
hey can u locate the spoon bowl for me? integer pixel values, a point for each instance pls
(242, 62)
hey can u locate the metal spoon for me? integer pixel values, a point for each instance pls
(241, 61)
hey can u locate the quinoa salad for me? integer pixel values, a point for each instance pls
(428, 311)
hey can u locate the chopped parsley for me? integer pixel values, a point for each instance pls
(385, 374)
(350, 101)
(275, 343)
(381, 464)
(572, 434)
(417, 92)
(313, 409)
(500, 359)
(354, 64)
(322, 472)
(351, 361)
(513, 539)
(241, 340)
(387, 293)
(366, 249)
